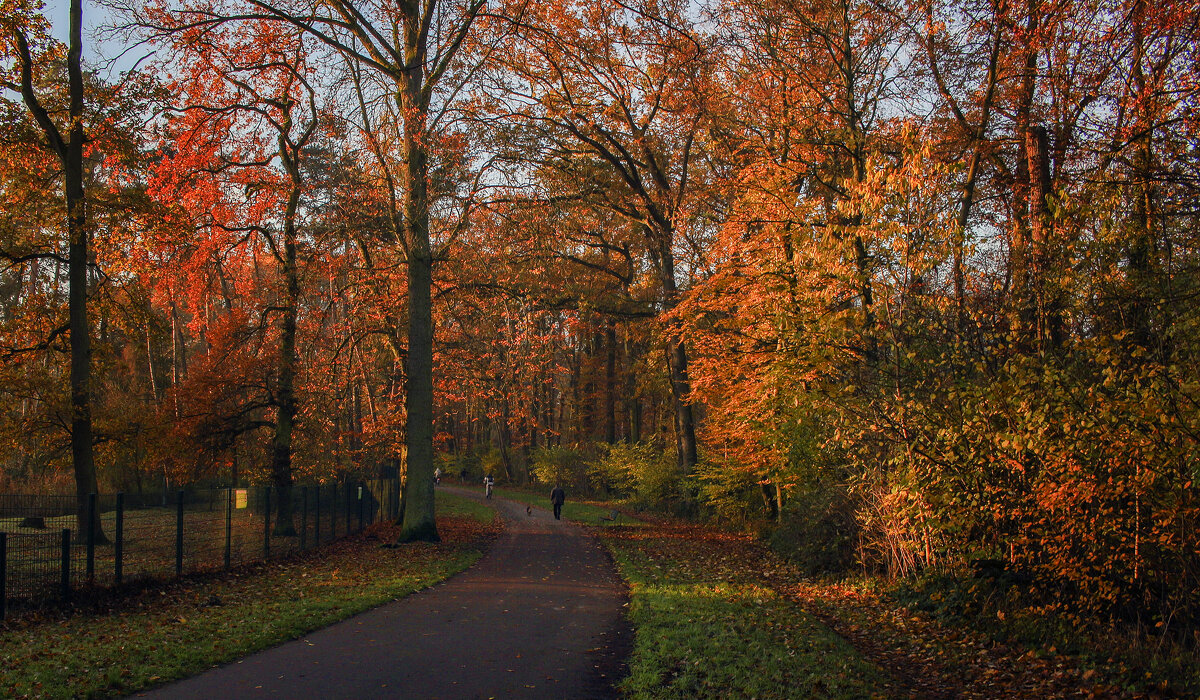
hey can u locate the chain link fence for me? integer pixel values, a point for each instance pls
(46, 555)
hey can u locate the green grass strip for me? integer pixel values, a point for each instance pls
(720, 639)
(191, 625)
(448, 504)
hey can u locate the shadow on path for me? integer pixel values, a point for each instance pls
(539, 616)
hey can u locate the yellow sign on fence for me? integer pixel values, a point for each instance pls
(240, 498)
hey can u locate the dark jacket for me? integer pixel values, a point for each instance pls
(557, 496)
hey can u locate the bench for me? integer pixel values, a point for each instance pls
(612, 516)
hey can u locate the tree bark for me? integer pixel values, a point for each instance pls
(677, 363)
(70, 155)
(419, 522)
(285, 390)
(610, 382)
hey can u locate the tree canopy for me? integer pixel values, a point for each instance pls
(922, 274)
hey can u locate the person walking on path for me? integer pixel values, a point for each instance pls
(557, 497)
(489, 482)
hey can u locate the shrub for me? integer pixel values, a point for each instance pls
(733, 494)
(492, 462)
(643, 472)
(560, 465)
(818, 531)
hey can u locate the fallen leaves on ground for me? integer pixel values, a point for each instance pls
(924, 657)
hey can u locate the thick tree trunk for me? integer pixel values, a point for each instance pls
(70, 155)
(285, 390)
(419, 522)
(286, 403)
(81, 350)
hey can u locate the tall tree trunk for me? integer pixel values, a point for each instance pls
(1047, 290)
(419, 523)
(70, 155)
(1023, 303)
(576, 401)
(286, 405)
(77, 274)
(610, 382)
(1141, 247)
(677, 368)
(285, 390)
(633, 401)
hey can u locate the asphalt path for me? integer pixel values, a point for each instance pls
(539, 616)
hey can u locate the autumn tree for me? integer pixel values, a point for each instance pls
(27, 46)
(607, 105)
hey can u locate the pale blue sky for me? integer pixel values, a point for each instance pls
(96, 53)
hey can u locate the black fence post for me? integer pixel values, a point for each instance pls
(349, 500)
(66, 562)
(119, 541)
(267, 523)
(179, 533)
(228, 525)
(3, 575)
(303, 516)
(91, 538)
(362, 489)
(333, 518)
(317, 519)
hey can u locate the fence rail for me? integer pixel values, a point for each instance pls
(45, 555)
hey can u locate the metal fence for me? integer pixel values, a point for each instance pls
(44, 556)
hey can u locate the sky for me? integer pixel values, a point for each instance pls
(96, 54)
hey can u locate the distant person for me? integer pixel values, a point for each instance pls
(489, 482)
(462, 475)
(557, 497)
(437, 475)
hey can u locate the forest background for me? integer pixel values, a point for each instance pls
(908, 286)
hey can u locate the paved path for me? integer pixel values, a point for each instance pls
(539, 616)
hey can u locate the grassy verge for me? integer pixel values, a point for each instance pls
(451, 506)
(177, 630)
(719, 615)
(593, 513)
(710, 623)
